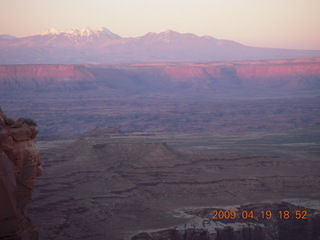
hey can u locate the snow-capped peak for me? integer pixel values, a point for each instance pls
(169, 31)
(107, 32)
(83, 33)
(51, 31)
(86, 32)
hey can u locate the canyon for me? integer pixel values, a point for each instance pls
(222, 96)
(148, 150)
(256, 226)
(294, 74)
(167, 185)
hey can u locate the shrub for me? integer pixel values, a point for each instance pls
(30, 122)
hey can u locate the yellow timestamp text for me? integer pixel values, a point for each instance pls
(268, 214)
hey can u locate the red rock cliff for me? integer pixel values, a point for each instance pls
(43, 76)
(19, 166)
(294, 74)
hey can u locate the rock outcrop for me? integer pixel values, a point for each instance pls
(49, 77)
(299, 223)
(19, 166)
(285, 75)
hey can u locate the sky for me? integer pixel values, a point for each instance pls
(265, 23)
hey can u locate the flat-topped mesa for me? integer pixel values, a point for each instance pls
(19, 167)
(260, 77)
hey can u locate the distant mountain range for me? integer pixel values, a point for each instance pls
(102, 46)
(6, 36)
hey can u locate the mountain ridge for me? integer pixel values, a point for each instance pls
(85, 32)
(101, 46)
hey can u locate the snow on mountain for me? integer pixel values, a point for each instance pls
(88, 33)
(167, 36)
(51, 31)
(100, 45)
(106, 32)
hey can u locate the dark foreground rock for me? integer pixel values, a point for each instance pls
(19, 166)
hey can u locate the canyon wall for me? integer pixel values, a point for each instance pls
(72, 99)
(19, 166)
(287, 75)
(45, 77)
(243, 227)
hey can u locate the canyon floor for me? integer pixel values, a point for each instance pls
(134, 184)
(137, 151)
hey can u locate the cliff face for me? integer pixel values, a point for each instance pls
(277, 227)
(297, 74)
(47, 77)
(283, 74)
(78, 98)
(19, 166)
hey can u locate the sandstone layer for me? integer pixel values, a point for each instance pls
(19, 166)
(249, 222)
(289, 75)
(176, 97)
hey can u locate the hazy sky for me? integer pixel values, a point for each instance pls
(269, 23)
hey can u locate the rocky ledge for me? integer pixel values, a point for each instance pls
(19, 166)
(296, 220)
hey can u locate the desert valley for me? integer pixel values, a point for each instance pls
(142, 139)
